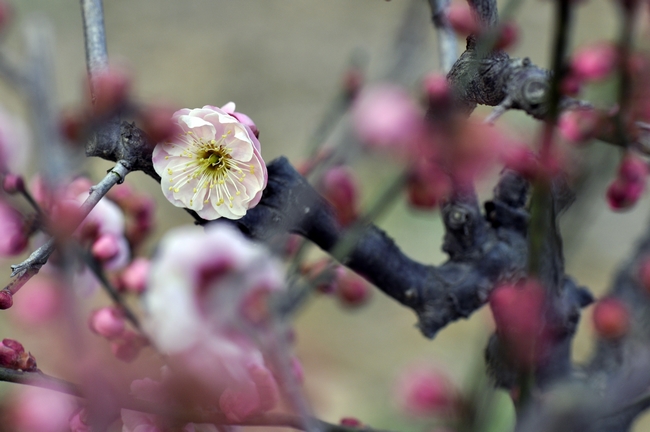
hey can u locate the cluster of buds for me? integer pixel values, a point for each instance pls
(110, 322)
(14, 356)
(139, 210)
(629, 184)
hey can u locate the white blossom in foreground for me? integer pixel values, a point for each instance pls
(202, 286)
(213, 166)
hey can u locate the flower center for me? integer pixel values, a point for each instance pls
(216, 175)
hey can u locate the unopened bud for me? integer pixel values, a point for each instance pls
(108, 322)
(351, 422)
(462, 19)
(110, 91)
(156, 121)
(128, 346)
(595, 62)
(508, 36)
(134, 277)
(611, 318)
(13, 356)
(6, 300)
(352, 290)
(105, 247)
(425, 391)
(13, 183)
(339, 187)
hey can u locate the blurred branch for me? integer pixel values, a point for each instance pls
(25, 270)
(39, 379)
(447, 45)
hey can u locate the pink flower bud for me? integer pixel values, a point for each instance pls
(339, 187)
(13, 356)
(518, 314)
(633, 170)
(611, 318)
(13, 183)
(427, 186)
(156, 121)
(579, 125)
(570, 85)
(386, 118)
(134, 277)
(72, 126)
(351, 422)
(462, 19)
(14, 239)
(128, 346)
(352, 290)
(424, 391)
(437, 91)
(110, 91)
(108, 322)
(6, 300)
(508, 36)
(105, 248)
(594, 62)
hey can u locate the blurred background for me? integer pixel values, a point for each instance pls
(281, 61)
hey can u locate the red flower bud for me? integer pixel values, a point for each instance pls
(110, 91)
(13, 183)
(157, 123)
(351, 422)
(352, 290)
(6, 300)
(108, 322)
(339, 187)
(518, 313)
(611, 318)
(462, 19)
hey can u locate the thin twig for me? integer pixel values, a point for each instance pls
(39, 257)
(112, 292)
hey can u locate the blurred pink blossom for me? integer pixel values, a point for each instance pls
(422, 391)
(386, 118)
(134, 277)
(199, 282)
(35, 409)
(108, 322)
(578, 126)
(594, 62)
(14, 239)
(214, 166)
(41, 300)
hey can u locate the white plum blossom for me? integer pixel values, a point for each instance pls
(213, 166)
(201, 285)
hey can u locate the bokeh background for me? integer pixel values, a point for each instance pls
(281, 61)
